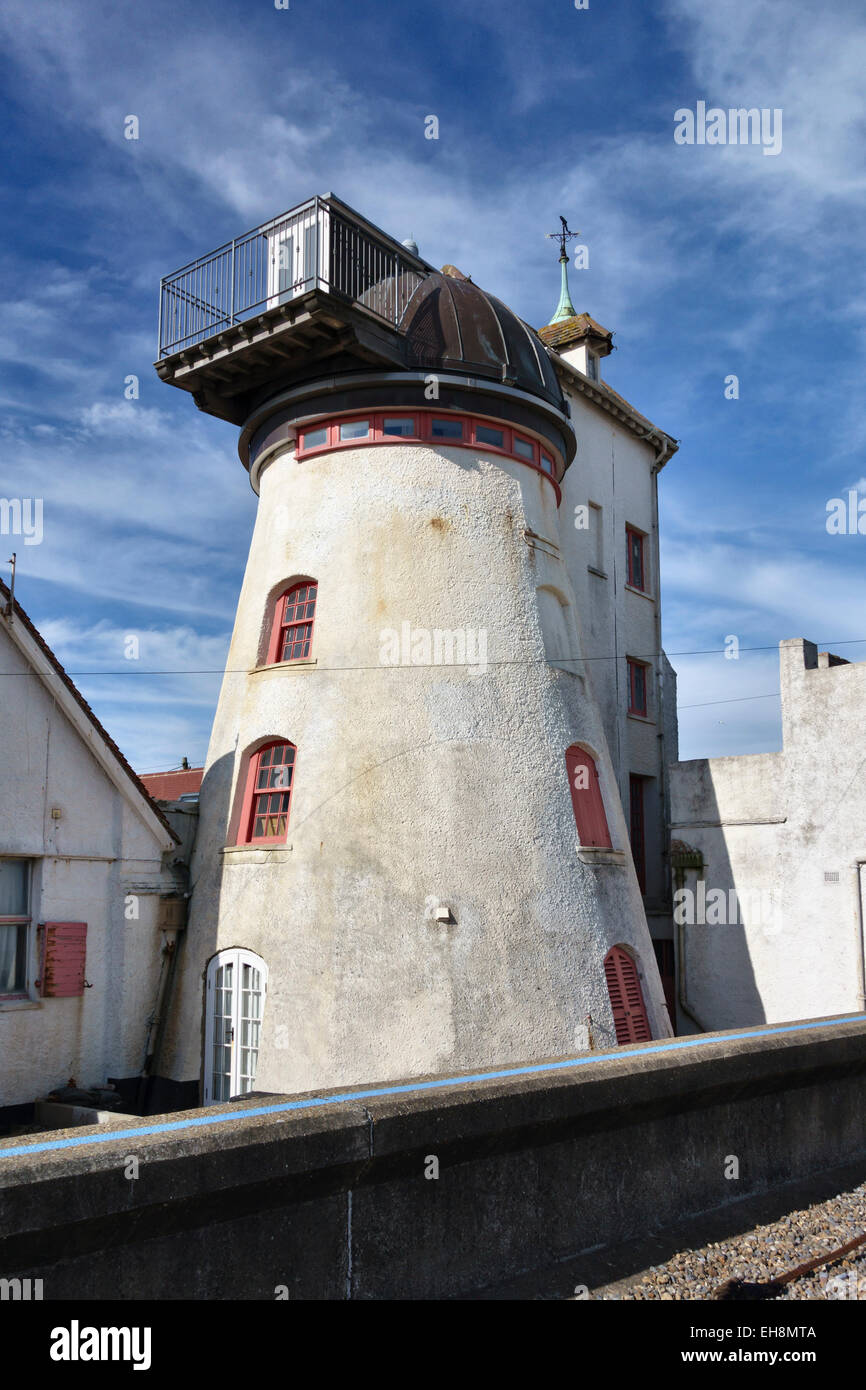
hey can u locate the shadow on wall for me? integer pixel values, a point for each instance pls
(715, 924)
(185, 1033)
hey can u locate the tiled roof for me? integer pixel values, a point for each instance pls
(168, 786)
(569, 330)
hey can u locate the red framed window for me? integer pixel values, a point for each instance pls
(626, 997)
(399, 427)
(294, 614)
(265, 812)
(636, 827)
(586, 798)
(635, 558)
(423, 426)
(637, 687)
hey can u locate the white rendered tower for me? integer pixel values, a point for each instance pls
(412, 856)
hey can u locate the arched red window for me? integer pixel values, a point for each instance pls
(626, 997)
(294, 613)
(586, 798)
(267, 794)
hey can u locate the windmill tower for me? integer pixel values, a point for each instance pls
(412, 856)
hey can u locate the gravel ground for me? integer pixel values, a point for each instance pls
(764, 1253)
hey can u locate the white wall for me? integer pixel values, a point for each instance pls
(775, 824)
(82, 866)
(615, 470)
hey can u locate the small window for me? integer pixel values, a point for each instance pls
(447, 429)
(355, 429)
(293, 623)
(586, 799)
(636, 828)
(314, 439)
(596, 537)
(592, 366)
(269, 792)
(524, 448)
(14, 925)
(403, 425)
(635, 540)
(547, 464)
(637, 687)
(484, 434)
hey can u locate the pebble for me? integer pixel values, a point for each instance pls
(762, 1254)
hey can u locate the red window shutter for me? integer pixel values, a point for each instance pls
(626, 998)
(64, 950)
(586, 798)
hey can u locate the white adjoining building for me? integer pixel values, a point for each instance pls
(770, 860)
(444, 682)
(90, 898)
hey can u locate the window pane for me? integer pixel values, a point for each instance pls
(547, 464)
(638, 687)
(355, 429)
(300, 603)
(635, 559)
(314, 439)
(13, 959)
(485, 435)
(524, 448)
(447, 429)
(297, 642)
(13, 888)
(398, 425)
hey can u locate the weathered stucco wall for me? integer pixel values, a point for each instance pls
(787, 832)
(615, 471)
(82, 867)
(414, 784)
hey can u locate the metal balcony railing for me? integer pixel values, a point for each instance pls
(321, 244)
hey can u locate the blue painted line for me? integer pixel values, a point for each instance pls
(439, 1084)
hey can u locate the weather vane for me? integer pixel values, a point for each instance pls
(563, 237)
(564, 309)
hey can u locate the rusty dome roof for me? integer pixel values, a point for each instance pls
(454, 325)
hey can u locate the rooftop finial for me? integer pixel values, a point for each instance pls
(564, 309)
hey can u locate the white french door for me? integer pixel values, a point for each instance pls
(293, 249)
(236, 987)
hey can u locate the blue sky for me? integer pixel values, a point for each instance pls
(704, 260)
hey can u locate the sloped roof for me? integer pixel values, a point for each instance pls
(168, 786)
(136, 783)
(572, 329)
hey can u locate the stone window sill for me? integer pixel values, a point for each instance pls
(13, 1005)
(594, 854)
(642, 593)
(303, 665)
(251, 854)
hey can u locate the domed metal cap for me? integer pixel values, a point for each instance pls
(453, 325)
